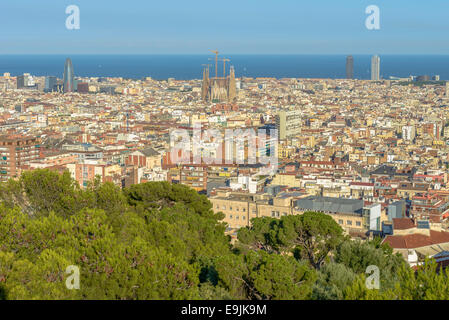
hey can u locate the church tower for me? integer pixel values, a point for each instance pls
(206, 85)
(219, 89)
(232, 94)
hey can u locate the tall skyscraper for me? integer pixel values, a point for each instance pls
(349, 67)
(69, 76)
(50, 83)
(375, 68)
(20, 82)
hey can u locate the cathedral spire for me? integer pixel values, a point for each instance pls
(232, 86)
(206, 84)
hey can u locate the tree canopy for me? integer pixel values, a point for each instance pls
(163, 241)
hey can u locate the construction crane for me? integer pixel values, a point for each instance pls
(216, 62)
(224, 66)
(207, 66)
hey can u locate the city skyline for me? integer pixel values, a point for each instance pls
(184, 67)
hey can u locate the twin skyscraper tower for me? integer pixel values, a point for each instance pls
(375, 68)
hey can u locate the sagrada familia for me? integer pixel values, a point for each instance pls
(219, 89)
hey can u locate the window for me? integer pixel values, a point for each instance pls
(340, 221)
(358, 223)
(349, 222)
(230, 208)
(230, 216)
(224, 207)
(273, 214)
(237, 217)
(237, 209)
(244, 210)
(243, 218)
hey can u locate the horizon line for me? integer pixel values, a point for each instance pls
(207, 54)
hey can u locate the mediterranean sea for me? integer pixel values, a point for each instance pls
(186, 67)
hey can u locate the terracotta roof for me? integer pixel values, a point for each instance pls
(366, 184)
(403, 223)
(417, 240)
(439, 237)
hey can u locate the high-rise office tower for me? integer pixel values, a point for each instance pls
(20, 82)
(75, 85)
(50, 84)
(69, 76)
(375, 68)
(349, 67)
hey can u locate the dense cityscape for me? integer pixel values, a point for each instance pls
(224, 160)
(371, 155)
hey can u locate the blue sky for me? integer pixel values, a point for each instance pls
(231, 26)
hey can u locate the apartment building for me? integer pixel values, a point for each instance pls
(430, 207)
(288, 123)
(84, 151)
(194, 176)
(240, 207)
(352, 215)
(148, 158)
(417, 240)
(85, 171)
(16, 151)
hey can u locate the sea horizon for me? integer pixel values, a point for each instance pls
(190, 66)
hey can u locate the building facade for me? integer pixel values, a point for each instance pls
(349, 67)
(15, 152)
(69, 77)
(375, 68)
(288, 124)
